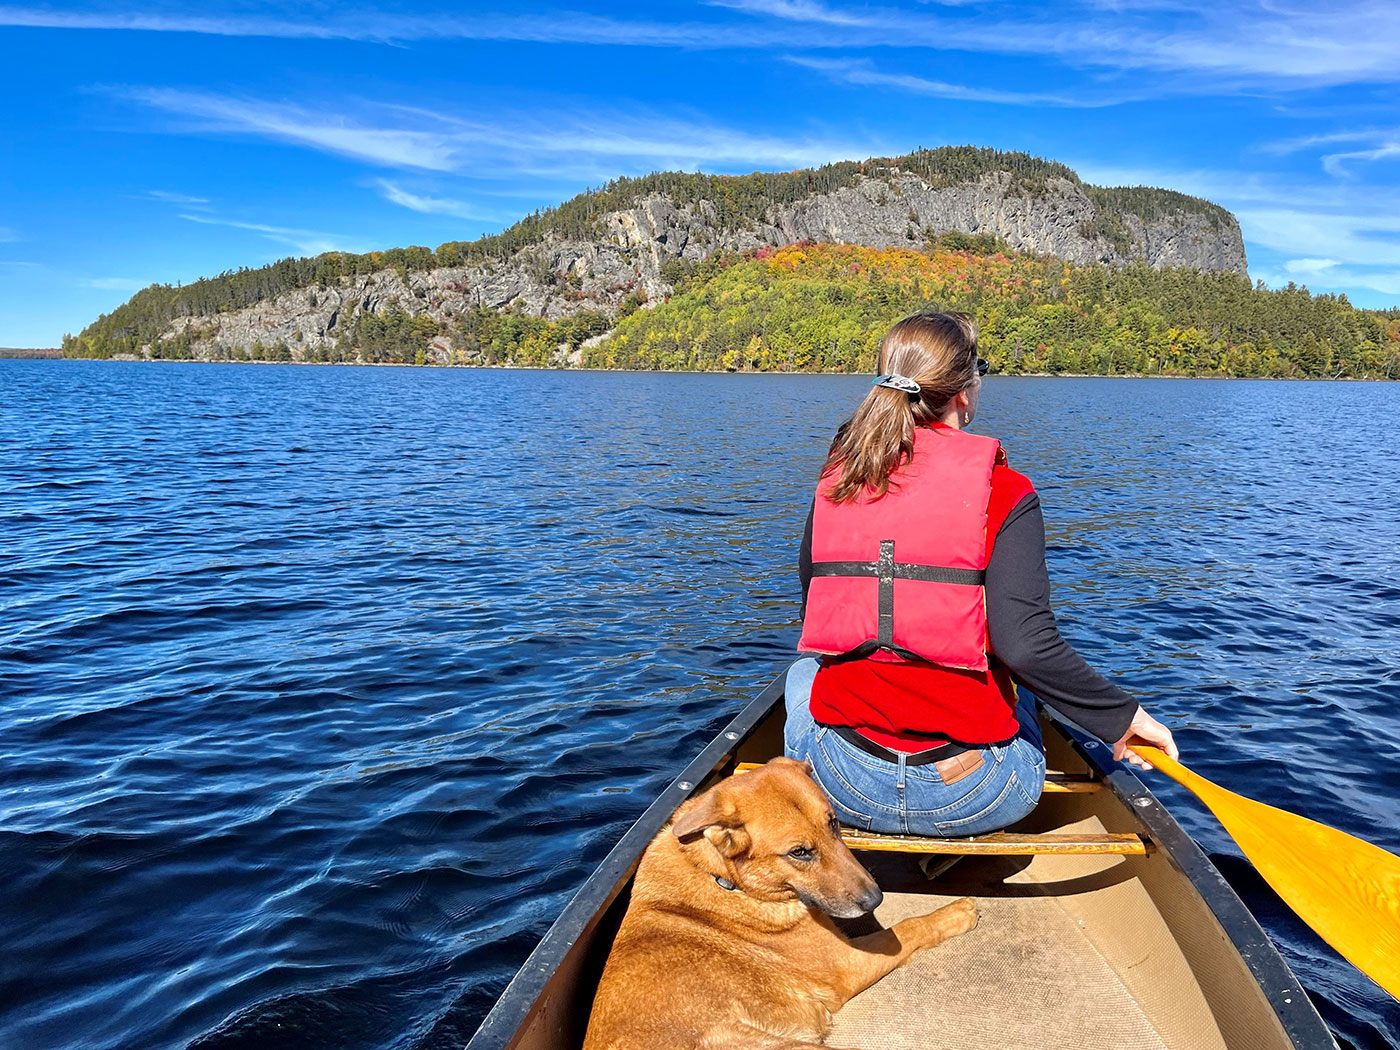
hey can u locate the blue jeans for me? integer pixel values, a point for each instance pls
(873, 794)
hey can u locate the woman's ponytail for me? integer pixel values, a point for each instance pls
(872, 443)
(939, 353)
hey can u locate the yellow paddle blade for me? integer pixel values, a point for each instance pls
(1345, 889)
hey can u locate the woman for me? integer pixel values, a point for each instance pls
(925, 589)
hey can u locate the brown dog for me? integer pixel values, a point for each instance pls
(728, 940)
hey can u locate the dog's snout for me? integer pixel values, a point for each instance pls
(852, 906)
(871, 899)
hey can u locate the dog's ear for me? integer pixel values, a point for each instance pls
(713, 815)
(729, 841)
(706, 811)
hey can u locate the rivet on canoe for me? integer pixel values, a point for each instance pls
(731, 736)
(685, 785)
(1144, 802)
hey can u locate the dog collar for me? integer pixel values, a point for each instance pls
(724, 883)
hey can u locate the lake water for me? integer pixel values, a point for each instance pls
(321, 689)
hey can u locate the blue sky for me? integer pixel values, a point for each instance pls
(164, 141)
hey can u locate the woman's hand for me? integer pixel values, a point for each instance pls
(1144, 729)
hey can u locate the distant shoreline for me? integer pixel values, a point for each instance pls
(56, 355)
(41, 352)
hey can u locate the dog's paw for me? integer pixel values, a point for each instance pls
(959, 917)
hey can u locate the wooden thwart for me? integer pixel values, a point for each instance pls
(1055, 783)
(1000, 843)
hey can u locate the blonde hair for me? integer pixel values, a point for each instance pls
(937, 351)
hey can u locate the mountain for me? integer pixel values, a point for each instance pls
(599, 256)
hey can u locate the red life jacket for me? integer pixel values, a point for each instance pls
(901, 576)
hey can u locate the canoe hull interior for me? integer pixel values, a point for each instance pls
(1073, 950)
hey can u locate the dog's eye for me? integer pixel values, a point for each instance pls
(801, 853)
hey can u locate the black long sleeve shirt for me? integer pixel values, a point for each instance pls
(1022, 629)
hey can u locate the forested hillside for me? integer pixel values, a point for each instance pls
(824, 308)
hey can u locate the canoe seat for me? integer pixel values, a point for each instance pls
(1004, 843)
(1001, 843)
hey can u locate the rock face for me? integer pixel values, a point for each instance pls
(558, 276)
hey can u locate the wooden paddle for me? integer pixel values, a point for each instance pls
(1345, 889)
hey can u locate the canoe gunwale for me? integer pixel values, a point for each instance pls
(503, 1024)
(1279, 985)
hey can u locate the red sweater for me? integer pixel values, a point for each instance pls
(908, 706)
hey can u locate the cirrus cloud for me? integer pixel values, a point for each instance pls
(1347, 42)
(585, 144)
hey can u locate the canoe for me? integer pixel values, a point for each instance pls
(1102, 926)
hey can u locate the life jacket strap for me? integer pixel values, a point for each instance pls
(884, 569)
(902, 571)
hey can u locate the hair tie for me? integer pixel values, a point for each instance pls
(898, 382)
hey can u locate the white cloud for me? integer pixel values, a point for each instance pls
(1294, 145)
(152, 22)
(1234, 45)
(1337, 279)
(1309, 265)
(586, 145)
(175, 198)
(684, 144)
(392, 147)
(1318, 45)
(1359, 240)
(387, 27)
(433, 205)
(1350, 41)
(1376, 280)
(862, 73)
(796, 10)
(1384, 142)
(1345, 42)
(1334, 163)
(308, 242)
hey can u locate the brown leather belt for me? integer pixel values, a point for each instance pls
(952, 762)
(914, 758)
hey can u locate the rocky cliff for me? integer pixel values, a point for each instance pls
(638, 247)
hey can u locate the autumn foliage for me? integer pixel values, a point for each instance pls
(824, 307)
